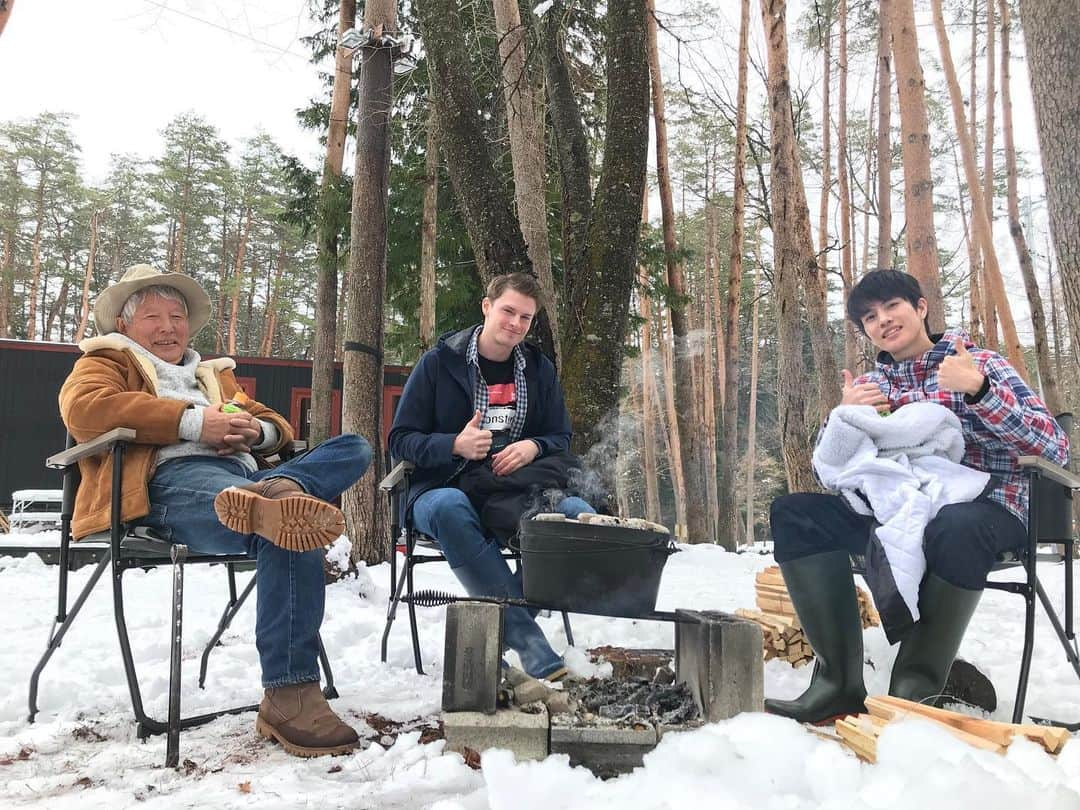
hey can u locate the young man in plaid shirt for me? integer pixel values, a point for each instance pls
(814, 534)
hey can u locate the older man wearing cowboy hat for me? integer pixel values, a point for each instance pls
(192, 475)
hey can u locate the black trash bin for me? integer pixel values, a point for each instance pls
(592, 568)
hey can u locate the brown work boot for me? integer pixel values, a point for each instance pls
(299, 718)
(280, 510)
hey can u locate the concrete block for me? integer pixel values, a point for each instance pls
(471, 657)
(718, 656)
(605, 750)
(523, 733)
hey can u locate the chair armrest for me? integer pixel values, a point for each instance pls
(103, 443)
(396, 476)
(1049, 470)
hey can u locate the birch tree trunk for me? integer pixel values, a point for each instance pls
(428, 234)
(1014, 350)
(333, 214)
(1049, 380)
(884, 136)
(678, 479)
(88, 277)
(1052, 35)
(525, 120)
(366, 513)
(790, 255)
(921, 242)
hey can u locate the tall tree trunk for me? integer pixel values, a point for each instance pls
(1052, 35)
(366, 513)
(237, 278)
(868, 177)
(1055, 324)
(884, 136)
(35, 262)
(648, 422)
(525, 120)
(88, 277)
(922, 254)
(728, 526)
(7, 281)
(333, 214)
(847, 254)
(792, 260)
(1051, 393)
(751, 417)
(223, 271)
(266, 345)
(990, 316)
(978, 204)
(678, 476)
(177, 264)
(58, 306)
(975, 271)
(826, 141)
(595, 305)
(428, 233)
(692, 433)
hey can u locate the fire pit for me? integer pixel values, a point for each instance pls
(607, 725)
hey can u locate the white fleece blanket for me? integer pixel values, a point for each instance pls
(907, 466)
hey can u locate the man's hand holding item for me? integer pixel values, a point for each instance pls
(863, 394)
(514, 457)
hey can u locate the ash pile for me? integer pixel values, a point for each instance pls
(634, 702)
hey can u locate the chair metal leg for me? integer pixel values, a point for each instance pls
(1025, 655)
(176, 628)
(566, 628)
(231, 609)
(329, 691)
(1068, 644)
(391, 611)
(56, 634)
(412, 618)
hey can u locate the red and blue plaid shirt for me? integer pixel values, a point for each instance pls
(1009, 421)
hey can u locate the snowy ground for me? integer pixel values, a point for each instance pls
(83, 752)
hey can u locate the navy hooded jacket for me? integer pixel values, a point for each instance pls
(437, 403)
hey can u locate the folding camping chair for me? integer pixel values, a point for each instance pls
(417, 549)
(137, 547)
(1050, 538)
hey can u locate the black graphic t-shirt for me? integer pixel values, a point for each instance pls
(502, 399)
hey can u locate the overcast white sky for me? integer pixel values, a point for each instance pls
(127, 67)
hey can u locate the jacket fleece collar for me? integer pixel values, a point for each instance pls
(206, 372)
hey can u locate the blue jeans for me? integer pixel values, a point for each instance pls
(291, 585)
(447, 515)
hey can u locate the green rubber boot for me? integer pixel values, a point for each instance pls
(823, 593)
(928, 650)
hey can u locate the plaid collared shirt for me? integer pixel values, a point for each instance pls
(480, 389)
(1009, 421)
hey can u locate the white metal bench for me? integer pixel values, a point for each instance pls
(35, 509)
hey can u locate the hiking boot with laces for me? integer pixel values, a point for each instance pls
(279, 510)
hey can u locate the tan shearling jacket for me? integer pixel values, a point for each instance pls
(111, 386)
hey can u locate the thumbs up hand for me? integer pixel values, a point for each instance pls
(473, 443)
(958, 371)
(867, 393)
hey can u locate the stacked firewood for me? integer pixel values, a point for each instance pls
(860, 732)
(784, 637)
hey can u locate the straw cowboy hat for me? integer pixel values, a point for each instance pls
(139, 276)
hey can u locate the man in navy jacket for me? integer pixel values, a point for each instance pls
(483, 395)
